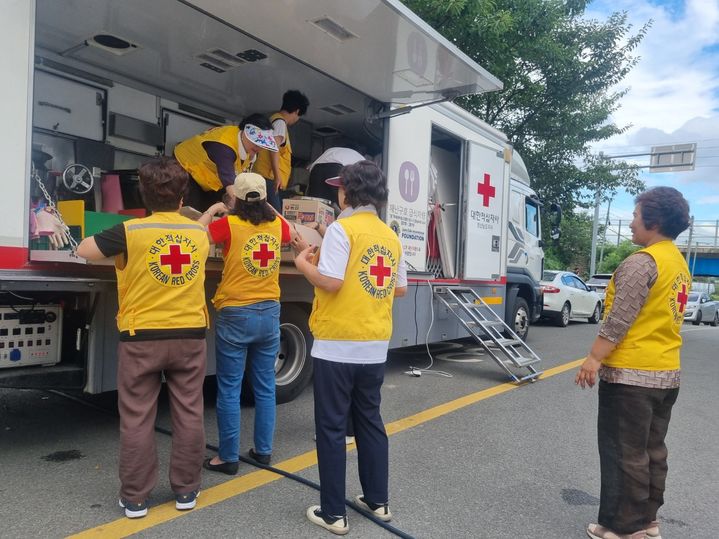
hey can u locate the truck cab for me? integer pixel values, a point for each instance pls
(525, 255)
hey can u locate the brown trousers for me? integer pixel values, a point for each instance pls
(139, 375)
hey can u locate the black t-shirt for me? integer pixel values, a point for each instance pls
(113, 242)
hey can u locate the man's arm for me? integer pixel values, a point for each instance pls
(89, 250)
(275, 161)
(110, 242)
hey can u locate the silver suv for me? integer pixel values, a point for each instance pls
(599, 283)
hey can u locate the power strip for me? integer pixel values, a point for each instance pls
(30, 335)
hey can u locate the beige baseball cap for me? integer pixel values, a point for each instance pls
(250, 187)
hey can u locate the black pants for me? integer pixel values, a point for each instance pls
(632, 425)
(343, 390)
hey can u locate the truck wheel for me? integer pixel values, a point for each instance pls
(596, 315)
(699, 318)
(293, 366)
(519, 318)
(562, 320)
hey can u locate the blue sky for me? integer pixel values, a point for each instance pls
(673, 96)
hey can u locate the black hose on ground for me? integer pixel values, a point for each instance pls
(288, 475)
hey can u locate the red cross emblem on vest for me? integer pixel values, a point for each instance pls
(176, 259)
(682, 298)
(264, 255)
(486, 189)
(380, 271)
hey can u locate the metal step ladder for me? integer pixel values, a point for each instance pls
(489, 330)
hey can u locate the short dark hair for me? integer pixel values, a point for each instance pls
(255, 212)
(294, 100)
(163, 183)
(258, 120)
(665, 209)
(364, 184)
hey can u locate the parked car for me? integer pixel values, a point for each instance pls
(599, 282)
(567, 296)
(700, 308)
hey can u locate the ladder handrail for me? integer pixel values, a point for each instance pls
(482, 319)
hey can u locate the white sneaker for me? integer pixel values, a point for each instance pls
(382, 512)
(337, 525)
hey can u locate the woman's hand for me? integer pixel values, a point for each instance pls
(587, 375)
(297, 242)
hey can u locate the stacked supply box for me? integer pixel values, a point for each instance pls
(306, 210)
(302, 212)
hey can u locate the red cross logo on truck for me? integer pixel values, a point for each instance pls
(487, 190)
(682, 298)
(176, 259)
(264, 255)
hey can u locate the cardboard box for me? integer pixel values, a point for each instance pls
(305, 210)
(310, 235)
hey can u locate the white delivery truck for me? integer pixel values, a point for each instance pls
(93, 88)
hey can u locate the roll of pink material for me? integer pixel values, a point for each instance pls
(111, 193)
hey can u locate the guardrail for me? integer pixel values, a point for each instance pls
(704, 233)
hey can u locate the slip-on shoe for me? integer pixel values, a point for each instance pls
(229, 468)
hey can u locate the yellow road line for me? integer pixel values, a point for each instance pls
(166, 512)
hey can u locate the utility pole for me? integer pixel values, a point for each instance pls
(604, 234)
(595, 230)
(595, 227)
(689, 241)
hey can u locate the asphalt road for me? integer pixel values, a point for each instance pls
(470, 456)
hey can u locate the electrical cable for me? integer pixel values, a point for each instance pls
(428, 369)
(288, 475)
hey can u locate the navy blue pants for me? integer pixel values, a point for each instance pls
(344, 390)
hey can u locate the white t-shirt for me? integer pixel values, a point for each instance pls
(333, 263)
(279, 129)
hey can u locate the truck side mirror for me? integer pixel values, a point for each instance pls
(555, 212)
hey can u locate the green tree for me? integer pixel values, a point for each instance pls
(615, 255)
(571, 252)
(560, 72)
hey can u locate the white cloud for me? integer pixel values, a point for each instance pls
(673, 95)
(676, 79)
(713, 199)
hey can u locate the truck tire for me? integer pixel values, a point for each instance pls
(519, 317)
(293, 366)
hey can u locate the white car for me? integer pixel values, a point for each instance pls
(700, 308)
(566, 296)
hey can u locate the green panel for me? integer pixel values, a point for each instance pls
(97, 221)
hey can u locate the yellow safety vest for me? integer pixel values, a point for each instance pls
(252, 264)
(194, 159)
(162, 284)
(653, 341)
(361, 310)
(263, 164)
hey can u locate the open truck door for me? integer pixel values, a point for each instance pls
(485, 241)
